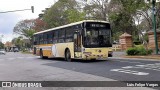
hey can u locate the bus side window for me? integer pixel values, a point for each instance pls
(50, 38)
(37, 39)
(69, 35)
(55, 36)
(34, 40)
(61, 36)
(41, 38)
(45, 38)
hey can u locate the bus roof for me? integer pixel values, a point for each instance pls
(70, 25)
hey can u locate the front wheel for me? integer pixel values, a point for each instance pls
(68, 56)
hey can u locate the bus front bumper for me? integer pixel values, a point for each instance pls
(94, 57)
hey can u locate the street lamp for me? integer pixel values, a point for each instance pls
(32, 9)
(154, 22)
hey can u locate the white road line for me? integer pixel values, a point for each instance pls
(129, 62)
(11, 58)
(155, 67)
(20, 57)
(127, 67)
(30, 57)
(150, 66)
(129, 71)
(157, 63)
(140, 65)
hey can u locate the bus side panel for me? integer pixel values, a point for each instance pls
(47, 50)
(58, 50)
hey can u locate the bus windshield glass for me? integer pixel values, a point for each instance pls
(97, 37)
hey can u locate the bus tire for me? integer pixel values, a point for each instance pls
(109, 55)
(41, 54)
(68, 55)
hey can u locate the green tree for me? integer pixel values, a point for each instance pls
(63, 12)
(97, 9)
(1, 45)
(21, 27)
(25, 28)
(18, 42)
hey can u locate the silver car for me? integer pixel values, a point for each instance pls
(2, 51)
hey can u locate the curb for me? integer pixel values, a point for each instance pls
(119, 58)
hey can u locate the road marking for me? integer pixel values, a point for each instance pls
(10, 58)
(127, 67)
(155, 67)
(30, 57)
(17, 58)
(129, 62)
(20, 57)
(157, 63)
(129, 71)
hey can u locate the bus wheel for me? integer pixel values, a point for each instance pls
(41, 54)
(68, 56)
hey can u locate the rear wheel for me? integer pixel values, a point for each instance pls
(68, 56)
(109, 55)
(41, 55)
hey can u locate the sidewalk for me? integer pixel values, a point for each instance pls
(121, 55)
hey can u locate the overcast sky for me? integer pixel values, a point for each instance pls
(9, 20)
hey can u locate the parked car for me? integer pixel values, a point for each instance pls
(2, 51)
(16, 50)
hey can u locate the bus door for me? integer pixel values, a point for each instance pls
(77, 44)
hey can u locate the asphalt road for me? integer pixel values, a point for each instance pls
(27, 67)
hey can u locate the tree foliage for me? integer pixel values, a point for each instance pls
(23, 25)
(1, 45)
(131, 16)
(63, 12)
(18, 42)
(39, 25)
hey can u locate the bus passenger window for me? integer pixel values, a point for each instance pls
(55, 36)
(69, 35)
(61, 36)
(49, 37)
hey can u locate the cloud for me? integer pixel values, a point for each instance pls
(9, 20)
(7, 23)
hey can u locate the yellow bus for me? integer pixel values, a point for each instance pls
(86, 40)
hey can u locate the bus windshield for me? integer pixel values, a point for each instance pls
(97, 37)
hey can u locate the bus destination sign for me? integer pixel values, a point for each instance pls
(97, 25)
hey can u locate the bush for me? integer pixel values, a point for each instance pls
(150, 51)
(138, 50)
(141, 50)
(132, 51)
